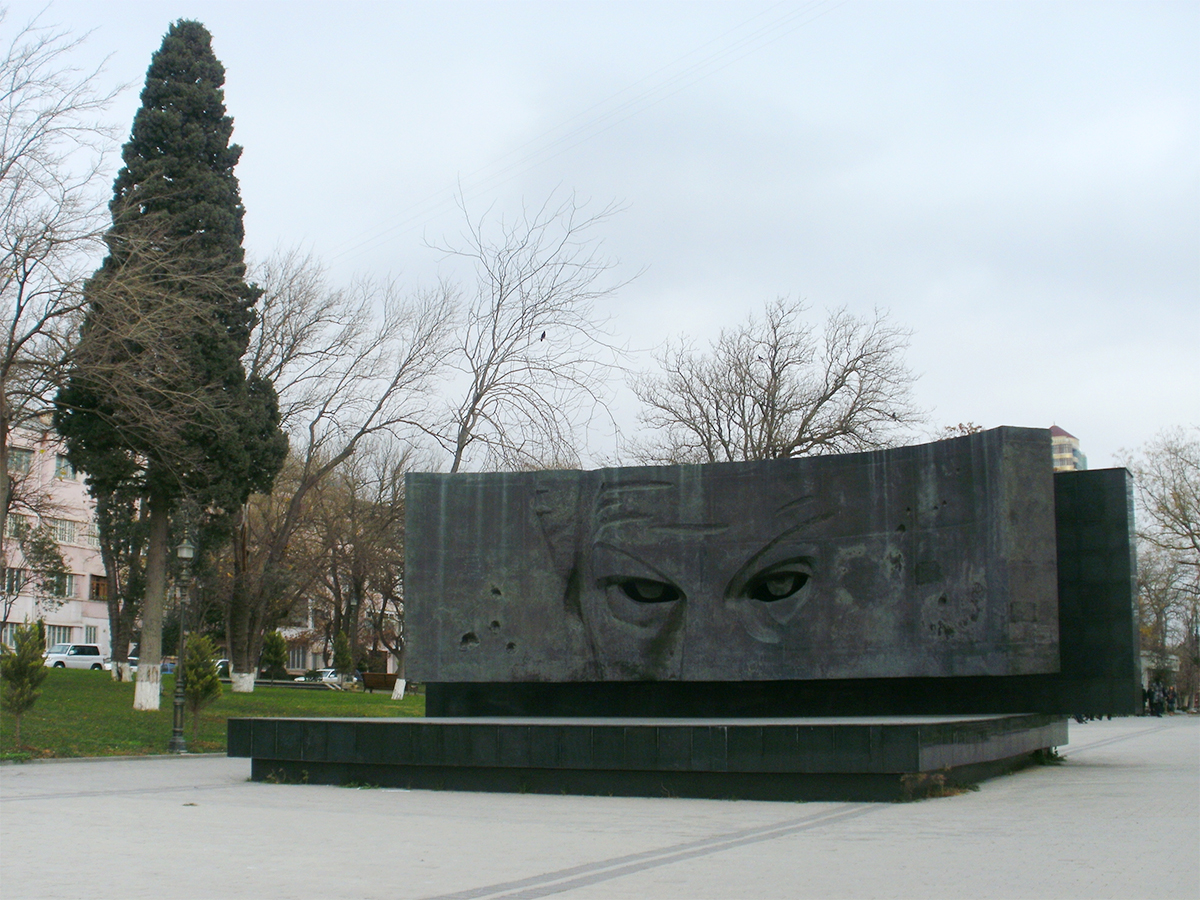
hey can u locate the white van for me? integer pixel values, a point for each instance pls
(75, 656)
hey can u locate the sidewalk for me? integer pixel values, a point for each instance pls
(1120, 818)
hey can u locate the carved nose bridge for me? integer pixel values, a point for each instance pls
(707, 624)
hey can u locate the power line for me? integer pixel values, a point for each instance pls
(600, 117)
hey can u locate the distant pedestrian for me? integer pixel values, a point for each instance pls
(1157, 699)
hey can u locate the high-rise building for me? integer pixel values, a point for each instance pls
(1067, 455)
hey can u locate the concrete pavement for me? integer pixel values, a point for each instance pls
(1120, 818)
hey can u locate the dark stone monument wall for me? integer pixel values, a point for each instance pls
(929, 561)
(1097, 590)
(1099, 672)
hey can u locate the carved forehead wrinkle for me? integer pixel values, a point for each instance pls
(613, 508)
(623, 505)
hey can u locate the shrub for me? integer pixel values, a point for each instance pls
(342, 660)
(23, 671)
(274, 656)
(201, 686)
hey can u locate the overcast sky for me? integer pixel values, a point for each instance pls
(1017, 183)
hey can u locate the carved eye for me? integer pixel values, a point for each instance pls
(776, 584)
(644, 590)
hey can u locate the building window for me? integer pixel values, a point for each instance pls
(16, 527)
(64, 530)
(89, 634)
(9, 635)
(63, 468)
(298, 657)
(98, 588)
(64, 586)
(14, 580)
(19, 460)
(91, 534)
(58, 634)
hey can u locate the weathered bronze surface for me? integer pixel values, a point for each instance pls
(930, 560)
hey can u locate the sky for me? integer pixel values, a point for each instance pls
(1018, 183)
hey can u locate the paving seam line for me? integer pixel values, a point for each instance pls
(606, 870)
(72, 795)
(1114, 740)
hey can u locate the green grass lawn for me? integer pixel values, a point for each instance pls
(84, 713)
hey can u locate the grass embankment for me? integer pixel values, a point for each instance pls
(84, 713)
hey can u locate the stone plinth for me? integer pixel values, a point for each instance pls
(843, 758)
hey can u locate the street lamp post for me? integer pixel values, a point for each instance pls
(186, 550)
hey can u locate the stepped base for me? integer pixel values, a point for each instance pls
(842, 758)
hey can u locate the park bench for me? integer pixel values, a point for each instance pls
(380, 680)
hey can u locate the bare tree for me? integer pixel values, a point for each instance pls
(1163, 599)
(1167, 475)
(1167, 478)
(42, 571)
(122, 526)
(52, 152)
(962, 429)
(774, 388)
(141, 319)
(534, 358)
(362, 521)
(349, 366)
(33, 560)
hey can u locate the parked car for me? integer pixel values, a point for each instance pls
(329, 676)
(75, 656)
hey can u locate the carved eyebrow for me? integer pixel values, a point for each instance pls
(648, 485)
(774, 542)
(630, 554)
(798, 501)
(685, 528)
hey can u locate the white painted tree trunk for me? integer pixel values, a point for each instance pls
(148, 686)
(398, 690)
(242, 682)
(121, 671)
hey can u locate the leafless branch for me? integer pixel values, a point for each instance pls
(534, 358)
(53, 147)
(775, 388)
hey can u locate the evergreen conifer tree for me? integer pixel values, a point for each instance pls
(23, 671)
(201, 686)
(343, 661)
(274, 655)
(157, 397)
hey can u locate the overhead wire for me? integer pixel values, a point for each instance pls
(547, 146)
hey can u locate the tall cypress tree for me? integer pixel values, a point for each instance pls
(157, 397)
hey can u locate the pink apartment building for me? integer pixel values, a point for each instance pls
(74, 609)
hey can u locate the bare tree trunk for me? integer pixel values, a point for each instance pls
(147, 690)
(242, 665)
(5, 488)
(121, 607)
(120, 627)
(239, 632)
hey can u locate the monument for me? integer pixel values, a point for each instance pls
(817, 627)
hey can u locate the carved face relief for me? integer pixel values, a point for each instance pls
(669, 571)
(888, 564)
